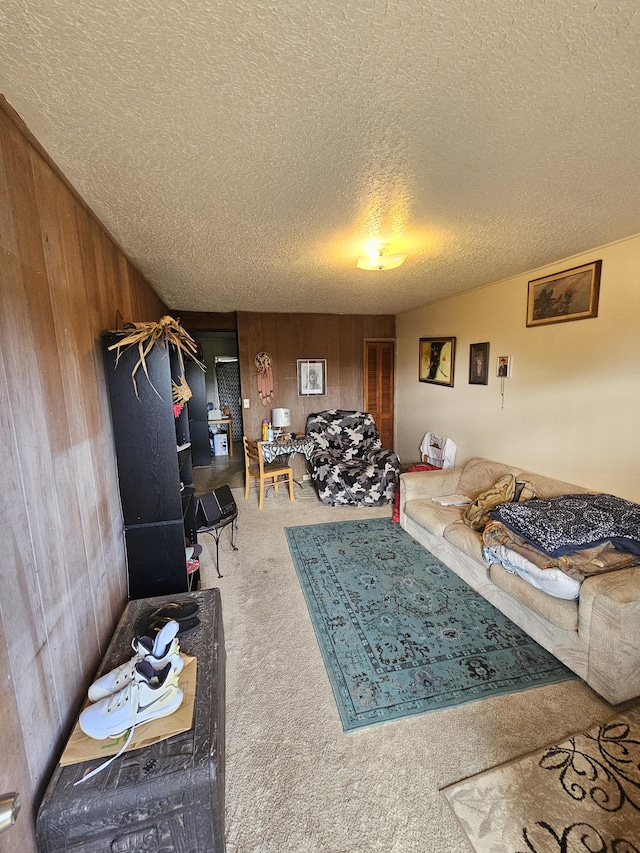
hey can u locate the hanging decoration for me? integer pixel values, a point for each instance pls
(180, 393)
(265, 377)
(144, 336)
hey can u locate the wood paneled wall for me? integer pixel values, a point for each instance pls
(287, 337)
(62, 282)
(207, 321)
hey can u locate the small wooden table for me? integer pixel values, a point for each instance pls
(228, 422)
(279, 447)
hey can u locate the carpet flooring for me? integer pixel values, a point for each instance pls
(294, 781)
(399, 632)
(581, 794)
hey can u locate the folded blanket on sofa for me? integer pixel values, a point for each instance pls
(567, 523)
(552, 581)
(579, 564)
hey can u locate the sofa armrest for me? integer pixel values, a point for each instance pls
(609, 618)
(429, 484)
(424, 485)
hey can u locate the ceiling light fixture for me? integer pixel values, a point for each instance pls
(380, 258)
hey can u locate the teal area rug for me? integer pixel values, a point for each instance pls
(399, 632)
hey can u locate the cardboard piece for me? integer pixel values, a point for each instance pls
(81, 748)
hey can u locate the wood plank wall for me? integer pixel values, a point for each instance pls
(62, 282)
(287, 337)
(206, 321)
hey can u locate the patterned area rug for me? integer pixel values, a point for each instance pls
(579, 795)
(399, 632)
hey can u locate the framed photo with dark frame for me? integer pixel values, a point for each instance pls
(312, 377)
(437, 360)
(479, 364)
(563, 296)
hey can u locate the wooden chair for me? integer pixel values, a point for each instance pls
(267, 474)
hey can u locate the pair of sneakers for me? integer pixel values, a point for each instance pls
(143, 689)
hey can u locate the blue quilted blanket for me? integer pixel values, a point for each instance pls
(568, 523)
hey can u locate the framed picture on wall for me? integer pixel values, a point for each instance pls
(503, 366)
(312, 377)
(436, 362)
(479, 364)
(569, 295)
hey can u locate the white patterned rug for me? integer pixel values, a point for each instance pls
(578, 796)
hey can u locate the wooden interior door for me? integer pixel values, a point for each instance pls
(379, 365)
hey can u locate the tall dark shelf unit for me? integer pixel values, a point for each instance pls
(155, 473)
(198, 416)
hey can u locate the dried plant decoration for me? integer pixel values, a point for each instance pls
(145, 336)
(180, 391)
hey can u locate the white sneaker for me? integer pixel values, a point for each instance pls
(151, 694)
(157, 652)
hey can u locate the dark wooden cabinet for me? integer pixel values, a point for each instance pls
(166, 796)
(155, 472)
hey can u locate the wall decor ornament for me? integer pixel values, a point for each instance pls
(312, 377)
(479, 364)
(180, 391)
(563, 296)
(263, 362)
(437, 360)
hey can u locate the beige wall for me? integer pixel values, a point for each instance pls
(572, 404)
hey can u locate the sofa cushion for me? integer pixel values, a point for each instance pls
(480, 474)
(467, 540)
(433, 517)
(560, 612)
(547, 487)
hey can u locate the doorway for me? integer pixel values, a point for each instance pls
(379, 385)
(227, 376)
(222, 380)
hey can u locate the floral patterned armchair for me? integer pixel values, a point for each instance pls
(349, 464)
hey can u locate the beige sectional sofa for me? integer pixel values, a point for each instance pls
(597, 636)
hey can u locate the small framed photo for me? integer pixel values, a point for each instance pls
(312, 377)
(479, 364)
(437, 360)
(503, 366)
(563, 296)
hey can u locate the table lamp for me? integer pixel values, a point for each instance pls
(280, 418)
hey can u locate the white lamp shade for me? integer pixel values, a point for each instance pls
(280, 417)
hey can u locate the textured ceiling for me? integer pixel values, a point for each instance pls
(241, 151)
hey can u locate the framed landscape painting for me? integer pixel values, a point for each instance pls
(436, 362)
(569, 295)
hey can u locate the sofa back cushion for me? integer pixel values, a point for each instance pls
(547, 487)
(481, 474)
